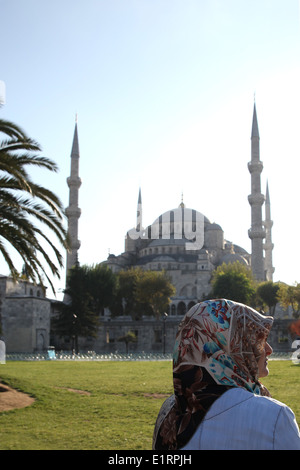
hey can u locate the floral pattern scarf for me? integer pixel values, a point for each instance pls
(217, 347)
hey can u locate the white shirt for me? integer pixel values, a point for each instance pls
(240, 420)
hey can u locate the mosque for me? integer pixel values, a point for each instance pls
(188, 262)
(183, 242)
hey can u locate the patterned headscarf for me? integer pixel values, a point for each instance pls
(217, 347)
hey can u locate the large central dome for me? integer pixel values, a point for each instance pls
(180, 223)
(183, 243)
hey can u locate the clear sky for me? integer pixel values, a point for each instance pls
(164, 93)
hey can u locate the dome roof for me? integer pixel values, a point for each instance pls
(232, 258)
(168, 242)
(214, 226)
(176, 223)
(178, 214)
(238, 249)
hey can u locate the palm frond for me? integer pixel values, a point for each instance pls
(24, 204)
(11, 129)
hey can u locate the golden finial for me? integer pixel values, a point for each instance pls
(181, 204)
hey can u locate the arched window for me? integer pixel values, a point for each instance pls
(181, 308)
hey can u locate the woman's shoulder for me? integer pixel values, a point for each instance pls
(239, 397)
(242, 420)
(269, 402)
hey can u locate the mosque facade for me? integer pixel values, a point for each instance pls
(188, 247)
(182, 241)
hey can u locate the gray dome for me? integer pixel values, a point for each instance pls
(214, 226)
(232, 258)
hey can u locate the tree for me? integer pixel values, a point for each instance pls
(233, 281)
(76, 317)
(26, 208)
(89, 290)
(125, 302)
(267, 293)
(290, 296)
(154, 289)
(101, 284)
(129, 337)
(142, 292)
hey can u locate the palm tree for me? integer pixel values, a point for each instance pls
(26, 208)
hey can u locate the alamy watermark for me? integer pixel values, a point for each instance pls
(296, 354)
(181, 223)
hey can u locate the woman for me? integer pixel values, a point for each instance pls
(220, 352)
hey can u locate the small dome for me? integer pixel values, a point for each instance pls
(232, 258)
(214, 226)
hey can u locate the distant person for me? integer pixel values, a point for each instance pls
(220, 352)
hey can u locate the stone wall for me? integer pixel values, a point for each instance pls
(156, 336)
(26, 323)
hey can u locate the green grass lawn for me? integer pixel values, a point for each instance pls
(118, 413)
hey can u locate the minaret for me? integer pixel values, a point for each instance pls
(256, 199)
(139, 213)
(133, 236)
(73, 212)
(268, 245)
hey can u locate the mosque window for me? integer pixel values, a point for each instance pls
(181, 308)
(158, 336)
